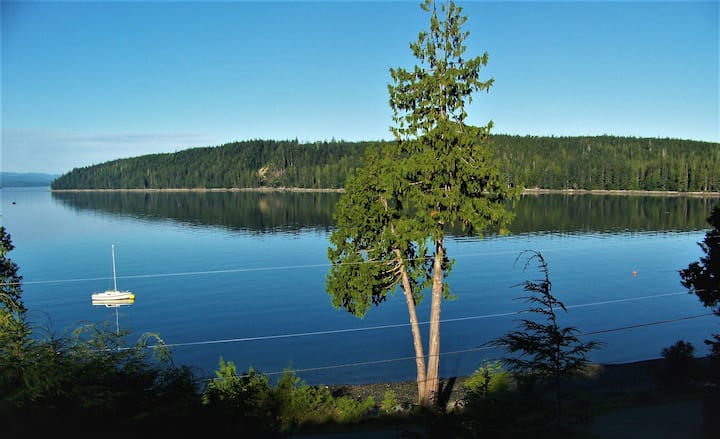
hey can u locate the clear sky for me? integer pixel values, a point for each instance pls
(87, 82)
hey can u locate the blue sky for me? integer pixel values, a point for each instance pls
(87, 82)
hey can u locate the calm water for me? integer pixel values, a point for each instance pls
(241, 276)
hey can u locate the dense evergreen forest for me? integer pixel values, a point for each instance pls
(591, 162)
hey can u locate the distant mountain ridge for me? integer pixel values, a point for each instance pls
(26, 179)
(543, 162)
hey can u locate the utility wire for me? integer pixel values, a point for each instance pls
(482, 348)
(373, 328)
(242, 270)
(398, 325)
(187, 273)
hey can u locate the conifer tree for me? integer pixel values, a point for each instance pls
(546, 349)
(438, 173)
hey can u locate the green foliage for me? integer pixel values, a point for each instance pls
(93, 379)
(346, 410)
(547, 350)
(610, 163)
(548, 162)
(389, 402)
(301, 404)
(438, 174)
(702, 278)
(14, 330)
(446, 170)
(250, 403)
(241, 403)
(10, 280)
(248, 164)
(443, 83)
(489, 378)
(368, 250)
(251, 387)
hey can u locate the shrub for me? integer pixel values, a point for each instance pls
(679, 359)
(241, 402)
(487, 379)
(349, 410)
(389, 402)
(680, 352)
(301, 404)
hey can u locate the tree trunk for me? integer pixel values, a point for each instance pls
(417, 337)
(432, 383)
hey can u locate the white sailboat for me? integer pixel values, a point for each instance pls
(114, 295)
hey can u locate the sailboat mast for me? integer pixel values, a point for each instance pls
(113, 259)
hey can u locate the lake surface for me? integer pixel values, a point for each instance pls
(240, 275)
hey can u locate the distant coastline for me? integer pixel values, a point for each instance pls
(26, 179)
(528, 191)
(701, 194)
(235, 189)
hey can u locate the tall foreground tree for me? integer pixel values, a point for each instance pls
(703, 277)
(438, 173)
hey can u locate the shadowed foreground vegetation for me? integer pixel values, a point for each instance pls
(92, 386)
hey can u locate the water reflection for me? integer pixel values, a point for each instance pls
(253, 212)
(113, 303)
(290, 212)
(610, 213)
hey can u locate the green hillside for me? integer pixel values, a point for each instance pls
(590, 162)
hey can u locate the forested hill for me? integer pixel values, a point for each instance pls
(599, 162)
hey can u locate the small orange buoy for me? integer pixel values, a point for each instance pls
(634, 273)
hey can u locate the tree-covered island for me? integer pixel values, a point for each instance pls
(557, 163)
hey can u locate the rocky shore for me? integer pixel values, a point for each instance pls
(629, 400)
(649, 378)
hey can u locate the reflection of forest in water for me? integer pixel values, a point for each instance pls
(263, 212)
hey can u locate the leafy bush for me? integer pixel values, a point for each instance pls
(250, 402)
(389, 402)
(679, 359)
(349, 410)
(303, 404)
(240, 402)
(680, 352)
(83, 382)
(489, 378)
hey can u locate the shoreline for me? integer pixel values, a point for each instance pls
(633, 377)
(528, 191)
(701, 194)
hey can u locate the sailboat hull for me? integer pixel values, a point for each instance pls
(111, 295)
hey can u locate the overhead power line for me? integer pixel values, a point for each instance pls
(398, 325)
(482, 348)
